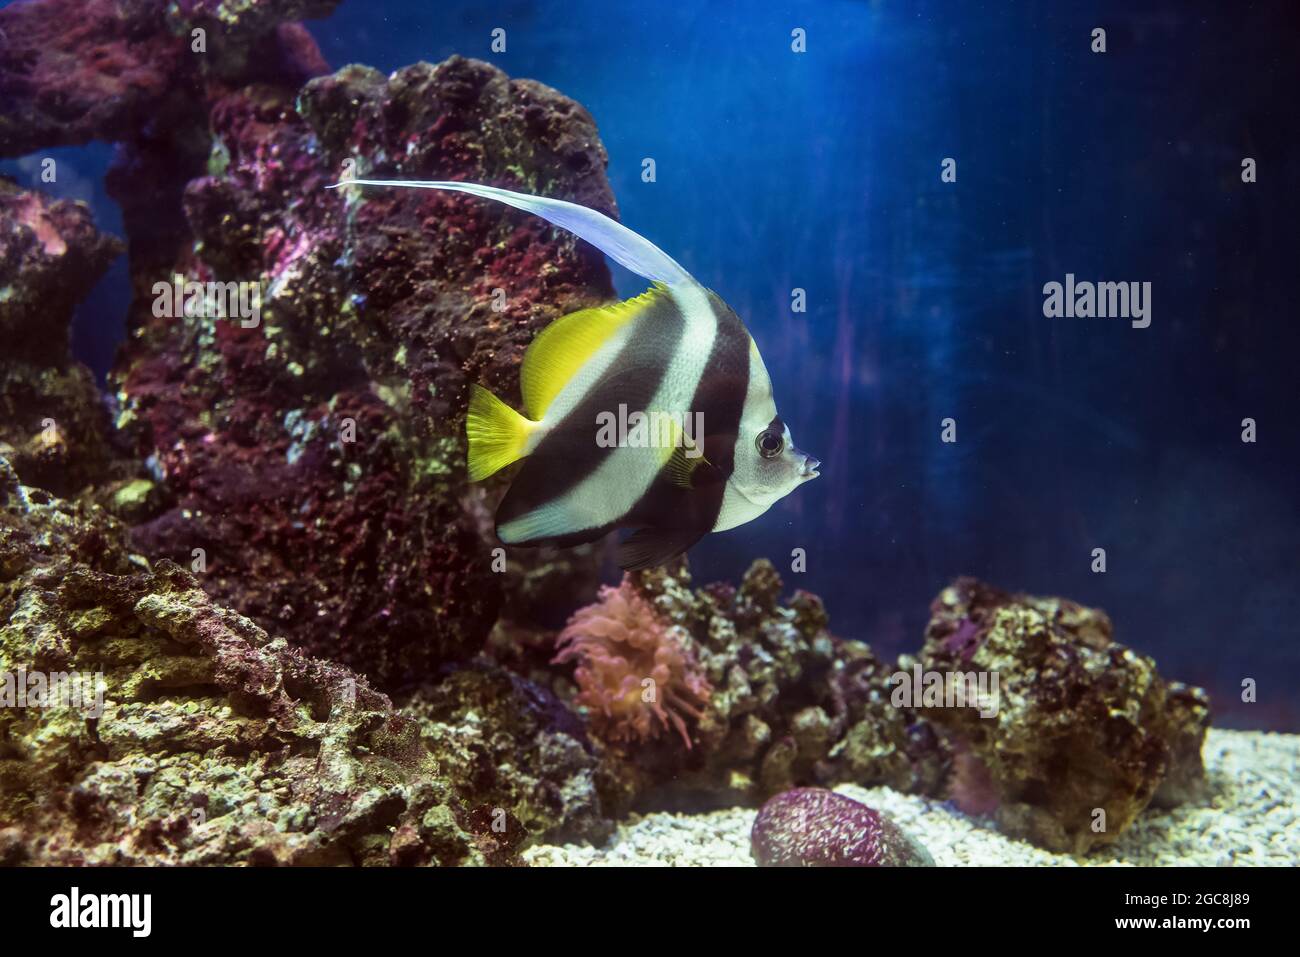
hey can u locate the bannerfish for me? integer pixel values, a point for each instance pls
(654, 414)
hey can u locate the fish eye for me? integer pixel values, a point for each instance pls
(770, 443)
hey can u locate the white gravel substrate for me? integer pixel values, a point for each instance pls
(1250, 819)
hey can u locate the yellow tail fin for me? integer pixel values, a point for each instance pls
(498, 435)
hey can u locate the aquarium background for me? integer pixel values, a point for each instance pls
(821, 171)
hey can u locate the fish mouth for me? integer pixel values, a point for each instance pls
(808, 467)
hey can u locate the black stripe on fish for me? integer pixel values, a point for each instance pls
(569, 453)
(676, 515)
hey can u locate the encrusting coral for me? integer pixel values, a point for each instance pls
(634, 674)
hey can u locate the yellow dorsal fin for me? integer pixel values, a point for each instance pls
(568, 343)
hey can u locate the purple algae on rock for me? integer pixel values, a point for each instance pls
(813, 827)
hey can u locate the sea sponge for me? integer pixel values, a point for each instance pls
(634, 675)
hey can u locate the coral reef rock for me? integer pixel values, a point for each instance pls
(286, 424)
(195, 738)
(813, 827)
(789, 704)
(289, 403)
(53, 426)
(72, 71)
(316, 453)
(516, 747)
(1086, 733)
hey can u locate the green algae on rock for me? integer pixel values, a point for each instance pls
(516, 746)
(216, 743)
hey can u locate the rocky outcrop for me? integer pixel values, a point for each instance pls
(185, 734)
(73, 71)
(315, 453)
(1082, 733)
(54, 426)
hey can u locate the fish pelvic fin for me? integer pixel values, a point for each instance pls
(611, 237)
(652, 547)
(498, 435)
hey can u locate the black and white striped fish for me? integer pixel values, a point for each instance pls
(654, 414)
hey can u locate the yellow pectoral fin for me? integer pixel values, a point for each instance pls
(568, 343)
(498, 435)
(683, 457)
